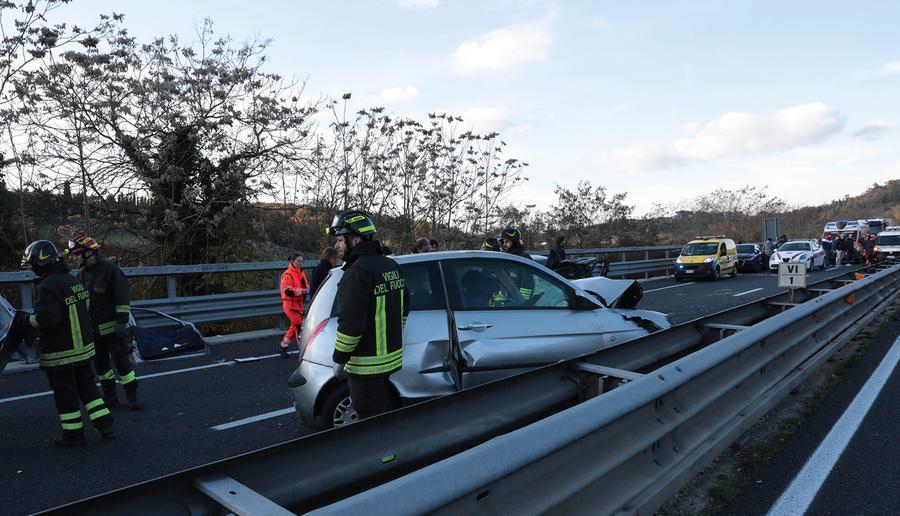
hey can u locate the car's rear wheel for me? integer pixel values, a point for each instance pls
(336, 409)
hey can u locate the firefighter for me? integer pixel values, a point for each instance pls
(294, 287)
(372, 306)
(110, 311)
(63, 321)
(511, 239)
(491, 244)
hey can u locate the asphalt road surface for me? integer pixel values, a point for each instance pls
(209, 408)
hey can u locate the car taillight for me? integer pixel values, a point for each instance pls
(312, 336)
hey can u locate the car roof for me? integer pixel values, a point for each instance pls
(453, 255)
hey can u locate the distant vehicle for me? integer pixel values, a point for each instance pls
(469, 324)
(887, 244)
(876, 226)
(807, 252)
(751, 258)
(855, 229)
(707, 256)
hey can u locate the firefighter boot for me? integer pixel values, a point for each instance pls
(70, 439)
(110, 397)
(131, 394)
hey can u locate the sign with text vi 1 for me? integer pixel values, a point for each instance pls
(792, 275)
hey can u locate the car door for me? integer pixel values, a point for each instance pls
(426, 343)
(511, 316)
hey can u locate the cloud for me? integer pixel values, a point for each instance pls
(504, 49)
(419, 3)
(486, 118)
(892, 68)
(873, 129)
(395, 95)
(599, 24)
(733, 134)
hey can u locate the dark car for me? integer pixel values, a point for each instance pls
(750, 258)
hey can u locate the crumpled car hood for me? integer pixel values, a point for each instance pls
(614, 293)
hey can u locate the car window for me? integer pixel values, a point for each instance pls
(699, 249)
(888, 240)
(746, 248)
(722, 250)
(424, 286)
(500, 284)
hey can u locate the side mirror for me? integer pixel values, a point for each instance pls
(582, 303)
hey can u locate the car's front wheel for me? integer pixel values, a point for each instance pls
(336, 409)
(717, 273)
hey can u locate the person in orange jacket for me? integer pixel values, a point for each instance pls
(294, 287)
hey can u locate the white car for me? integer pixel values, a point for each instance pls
(469, 324)
(807, 252)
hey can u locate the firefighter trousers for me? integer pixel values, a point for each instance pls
(73, 387)
(116, 347)
(370, 395)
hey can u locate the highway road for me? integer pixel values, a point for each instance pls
(209, 408)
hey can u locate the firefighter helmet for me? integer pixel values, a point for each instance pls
(491, 244)
(39, 255)
(512, 234)
(82, 243)
(352, 222)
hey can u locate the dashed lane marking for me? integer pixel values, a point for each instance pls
(253, 419)
(803, 489)
(747, 292)
(670, 286)
(152, 375)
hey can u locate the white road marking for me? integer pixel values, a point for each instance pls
(146, 376)
(670, 286)
(831, 269)
(803, 489)
(747, 292)
(253, 419)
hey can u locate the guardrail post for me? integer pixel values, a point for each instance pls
(647, 257)
(171, 287)
(25, 289)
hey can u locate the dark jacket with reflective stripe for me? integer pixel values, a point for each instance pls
(373, 304)
(61, 314)
(109, 295)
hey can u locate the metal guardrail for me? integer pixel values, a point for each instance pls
(618, 430)
(267, 303)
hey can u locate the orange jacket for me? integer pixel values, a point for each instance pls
(293, 289)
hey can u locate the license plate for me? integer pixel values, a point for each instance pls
(689, 271)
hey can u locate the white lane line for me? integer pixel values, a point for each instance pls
(253, 419)
(831, 269)
(154, 375)
(802, 491)
(747, 292)
(670, 286)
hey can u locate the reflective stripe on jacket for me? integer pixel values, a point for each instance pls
(61, 314)
(373, 304)
(110, 303)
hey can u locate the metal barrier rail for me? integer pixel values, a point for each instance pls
(263, 303)
(481, 450)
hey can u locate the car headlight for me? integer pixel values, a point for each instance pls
(678, 260)
(710, 259)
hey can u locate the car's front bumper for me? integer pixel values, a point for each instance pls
(694, 270)
(305, 395)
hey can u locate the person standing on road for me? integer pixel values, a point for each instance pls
(62, 318)
(372, 307)
(423, 245)
(557, 253)
(110, 310)
(840, 248)
(294, 287)
(327, 261)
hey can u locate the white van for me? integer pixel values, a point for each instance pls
(887, 244)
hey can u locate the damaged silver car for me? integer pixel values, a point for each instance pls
(474, 317)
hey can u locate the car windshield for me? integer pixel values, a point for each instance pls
(700, 249)
(888, 240)
(746, 249)
(794, 246)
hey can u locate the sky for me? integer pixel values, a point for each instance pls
(663, 100)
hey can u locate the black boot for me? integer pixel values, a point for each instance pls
(133, 403)
(110, 396)
(70, 440)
